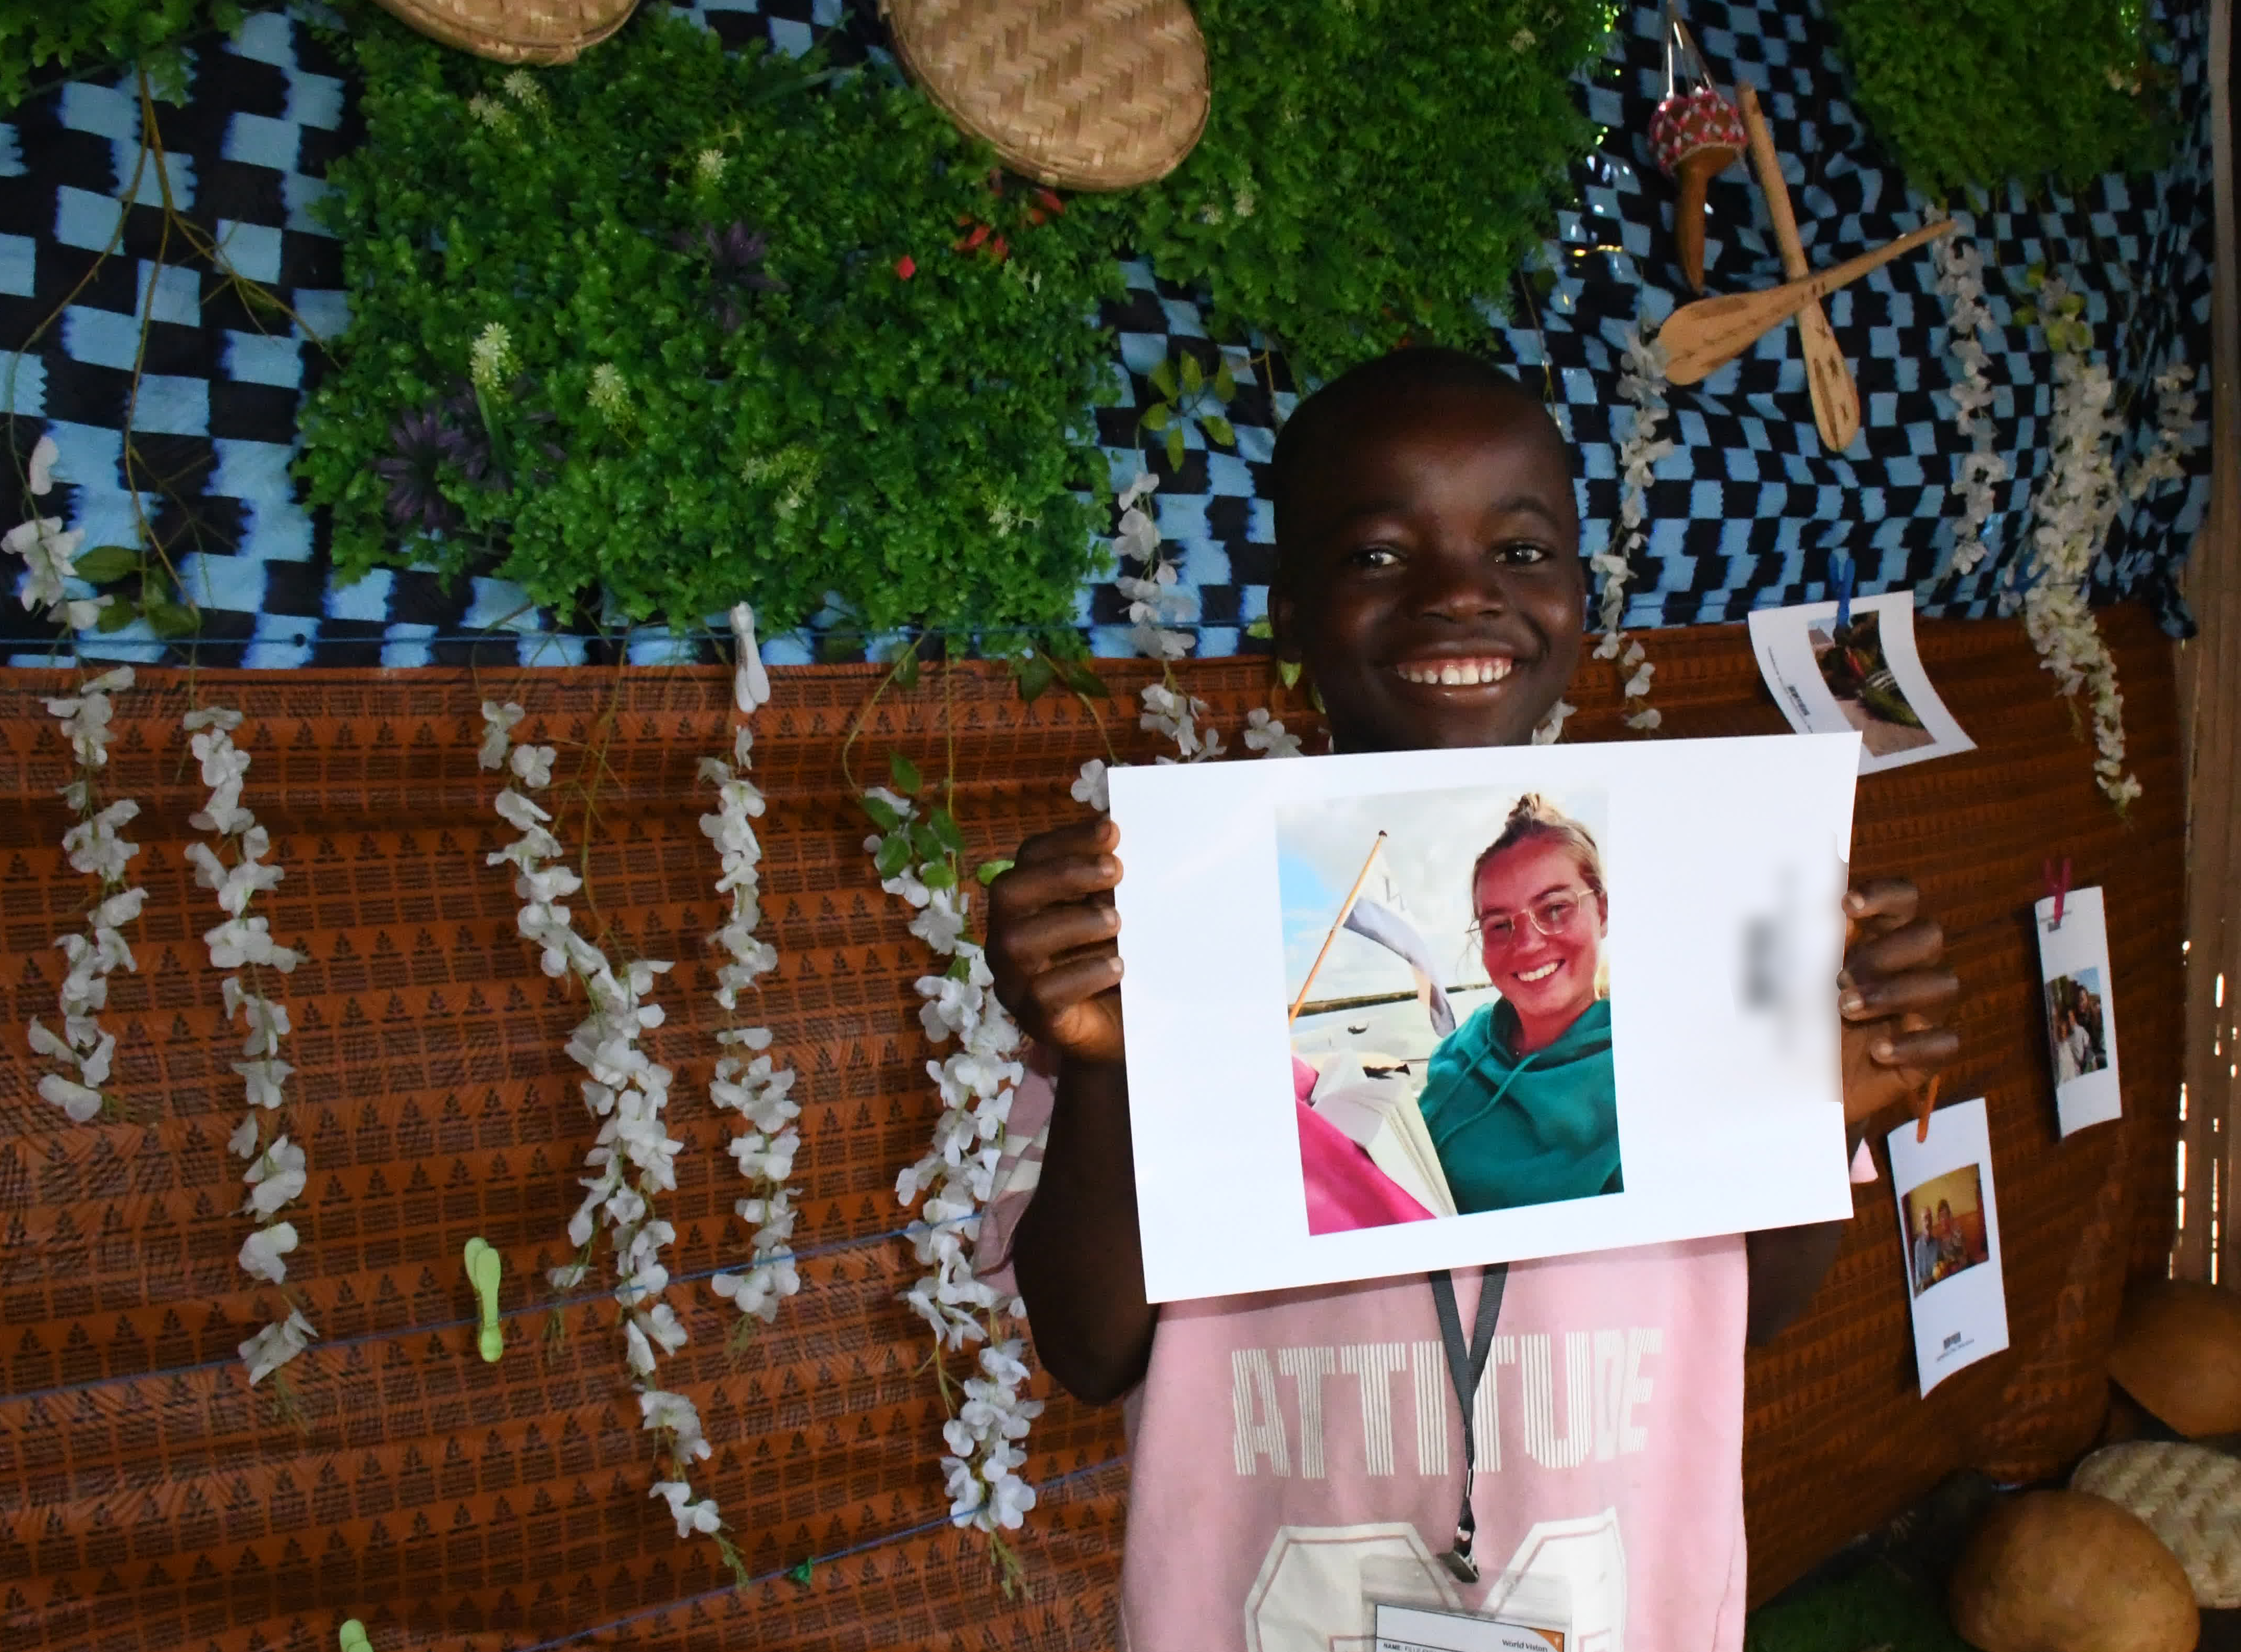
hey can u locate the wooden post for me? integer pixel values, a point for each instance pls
(2210, 711)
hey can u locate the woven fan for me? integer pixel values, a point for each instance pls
(1085, 94)
(515, 31)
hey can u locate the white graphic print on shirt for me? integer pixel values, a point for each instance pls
(1315, 1588)
(1607, 1383)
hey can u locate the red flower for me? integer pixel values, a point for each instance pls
(905, 266)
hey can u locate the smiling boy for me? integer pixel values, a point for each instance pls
(1295, 1451)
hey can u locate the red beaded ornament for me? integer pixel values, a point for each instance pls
(1696, 135)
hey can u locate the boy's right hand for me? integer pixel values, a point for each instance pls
(1054, 942)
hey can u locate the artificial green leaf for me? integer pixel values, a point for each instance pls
(1163, 380)
(1193, 375)
(906, 668)
(989, 871)
(2024, 315)
(1082, 680)
(105, 564)
(1175, 447)
(1035, 676)
(116, 616)
(883, 813)
(1218, 428)
(937, 874)
(1261, 628)
(894, 855)
(170, 619)
(1288, 670)
(925, 842)
(905, 774)
(944, 828)
(1157, 415)
(1225, 382)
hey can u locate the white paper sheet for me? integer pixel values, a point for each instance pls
(1724, 862)
(2073, 963)
(1959, 1299)
(1789, 643)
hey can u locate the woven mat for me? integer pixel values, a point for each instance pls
(147, 1500)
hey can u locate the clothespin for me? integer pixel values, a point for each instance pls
(1925, 1107)
(1840, 581)
(484, 1270)
(750, 684)
(801, 1574)
(353, 1637)
(2058, 887)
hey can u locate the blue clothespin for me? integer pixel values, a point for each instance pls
(1840, 580)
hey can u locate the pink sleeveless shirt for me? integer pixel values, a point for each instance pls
(1296, 1454)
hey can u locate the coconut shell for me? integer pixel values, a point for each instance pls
(2178, 1353)
(2064, 1571)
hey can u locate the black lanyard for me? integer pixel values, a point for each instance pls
(1464, 1369)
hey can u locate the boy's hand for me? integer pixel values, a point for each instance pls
(1893, 995)
(1054, 942)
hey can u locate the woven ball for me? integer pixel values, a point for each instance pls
(2190, 1497)
(515, 31)
(1083, 94)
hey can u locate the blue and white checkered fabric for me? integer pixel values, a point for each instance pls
(1748, 511)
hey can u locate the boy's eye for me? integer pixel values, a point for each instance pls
(1375, 556)
(1522, 553)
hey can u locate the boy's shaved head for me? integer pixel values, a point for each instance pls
(1322, 422)
(1428, 575)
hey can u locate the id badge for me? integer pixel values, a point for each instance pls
(1419, 1628)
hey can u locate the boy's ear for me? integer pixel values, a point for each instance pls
(1283, 618)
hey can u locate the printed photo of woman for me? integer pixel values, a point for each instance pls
(1520, 1100)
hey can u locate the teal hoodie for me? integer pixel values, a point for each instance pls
(1512, 1130)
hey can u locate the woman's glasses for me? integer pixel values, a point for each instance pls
(1552, 917)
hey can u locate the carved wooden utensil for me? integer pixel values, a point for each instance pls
(1702, 337)
(1835, 399)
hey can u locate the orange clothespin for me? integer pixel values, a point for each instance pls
(1925, 1107)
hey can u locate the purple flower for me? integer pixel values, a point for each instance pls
(735, 257)
(420, 444)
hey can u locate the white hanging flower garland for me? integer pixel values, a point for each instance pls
(634, 1158)
(278, 1171)
(1157, 604)
(2071, 513)
(1960, 266)
(1642, 383)
(2175, 403)
(50, 552)
(751, 1085)
(918, 856)
(81, 1051)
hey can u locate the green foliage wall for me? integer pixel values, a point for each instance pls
(1974, 93)
(44, 40)
(762, 339)
(1372, 170)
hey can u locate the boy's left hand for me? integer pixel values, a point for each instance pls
(1894, 995)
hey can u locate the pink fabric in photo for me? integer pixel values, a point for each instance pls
(1345, 1189)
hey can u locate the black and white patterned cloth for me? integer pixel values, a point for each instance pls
(1748, 511)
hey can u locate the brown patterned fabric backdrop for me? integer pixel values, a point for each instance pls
(149, 1499)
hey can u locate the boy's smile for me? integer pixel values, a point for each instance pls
(1432, 581)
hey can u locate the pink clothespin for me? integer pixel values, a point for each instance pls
(2058, 887)
(1925, 1107)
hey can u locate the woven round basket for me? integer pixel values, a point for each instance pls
(2190, 1497)
(515, 31)
(1083, 94)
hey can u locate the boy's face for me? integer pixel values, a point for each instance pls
(1433, 582)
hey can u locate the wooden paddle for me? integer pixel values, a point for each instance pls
(1835, 399)
(1702, 337)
